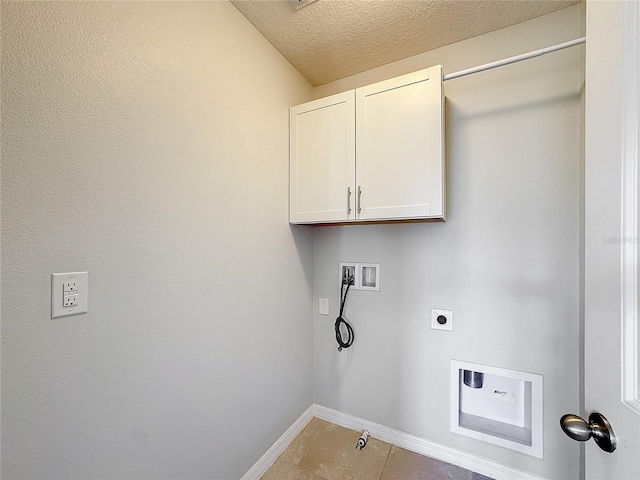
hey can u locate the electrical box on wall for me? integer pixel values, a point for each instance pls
(69, 293)
(498, 406)
(363, 276)
(442, 319)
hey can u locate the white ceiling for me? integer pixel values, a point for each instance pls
(332, 39)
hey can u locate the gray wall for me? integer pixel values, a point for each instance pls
(506, 261)
(147, 143)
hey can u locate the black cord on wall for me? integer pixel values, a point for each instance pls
(343, 298)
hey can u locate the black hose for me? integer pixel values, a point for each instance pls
(340, 320)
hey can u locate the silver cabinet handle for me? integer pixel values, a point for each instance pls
(598, 428)
(359, 199)
(348, 200)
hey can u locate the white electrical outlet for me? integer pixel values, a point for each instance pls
(69, 293)
(70, 301)
(442, 319)
(323, 306)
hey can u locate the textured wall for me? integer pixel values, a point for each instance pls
(506, 261)
(146, 142)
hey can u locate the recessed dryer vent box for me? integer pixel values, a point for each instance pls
(498, 406)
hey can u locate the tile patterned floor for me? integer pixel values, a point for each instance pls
(324, 451)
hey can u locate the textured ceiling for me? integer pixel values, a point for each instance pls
(332, 39)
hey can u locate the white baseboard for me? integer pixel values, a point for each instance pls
(471, 462)
(263, 464)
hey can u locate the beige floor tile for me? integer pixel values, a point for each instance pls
(285, 467)
(324, 451)
(334, 457)
(405, 465)
(305, 440)
(284, 470)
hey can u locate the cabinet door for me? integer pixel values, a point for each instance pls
(322, 160)
(399, 140)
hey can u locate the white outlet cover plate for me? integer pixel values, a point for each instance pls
(435, 313)
(57, 293)
(323, 306)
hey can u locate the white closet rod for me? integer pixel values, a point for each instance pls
(517, 58)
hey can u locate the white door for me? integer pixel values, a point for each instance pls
(612, 373)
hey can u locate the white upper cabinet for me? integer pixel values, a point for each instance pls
(399, 145)
(322, 159)
(379, 157)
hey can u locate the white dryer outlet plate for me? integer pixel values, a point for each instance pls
(438, 323)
